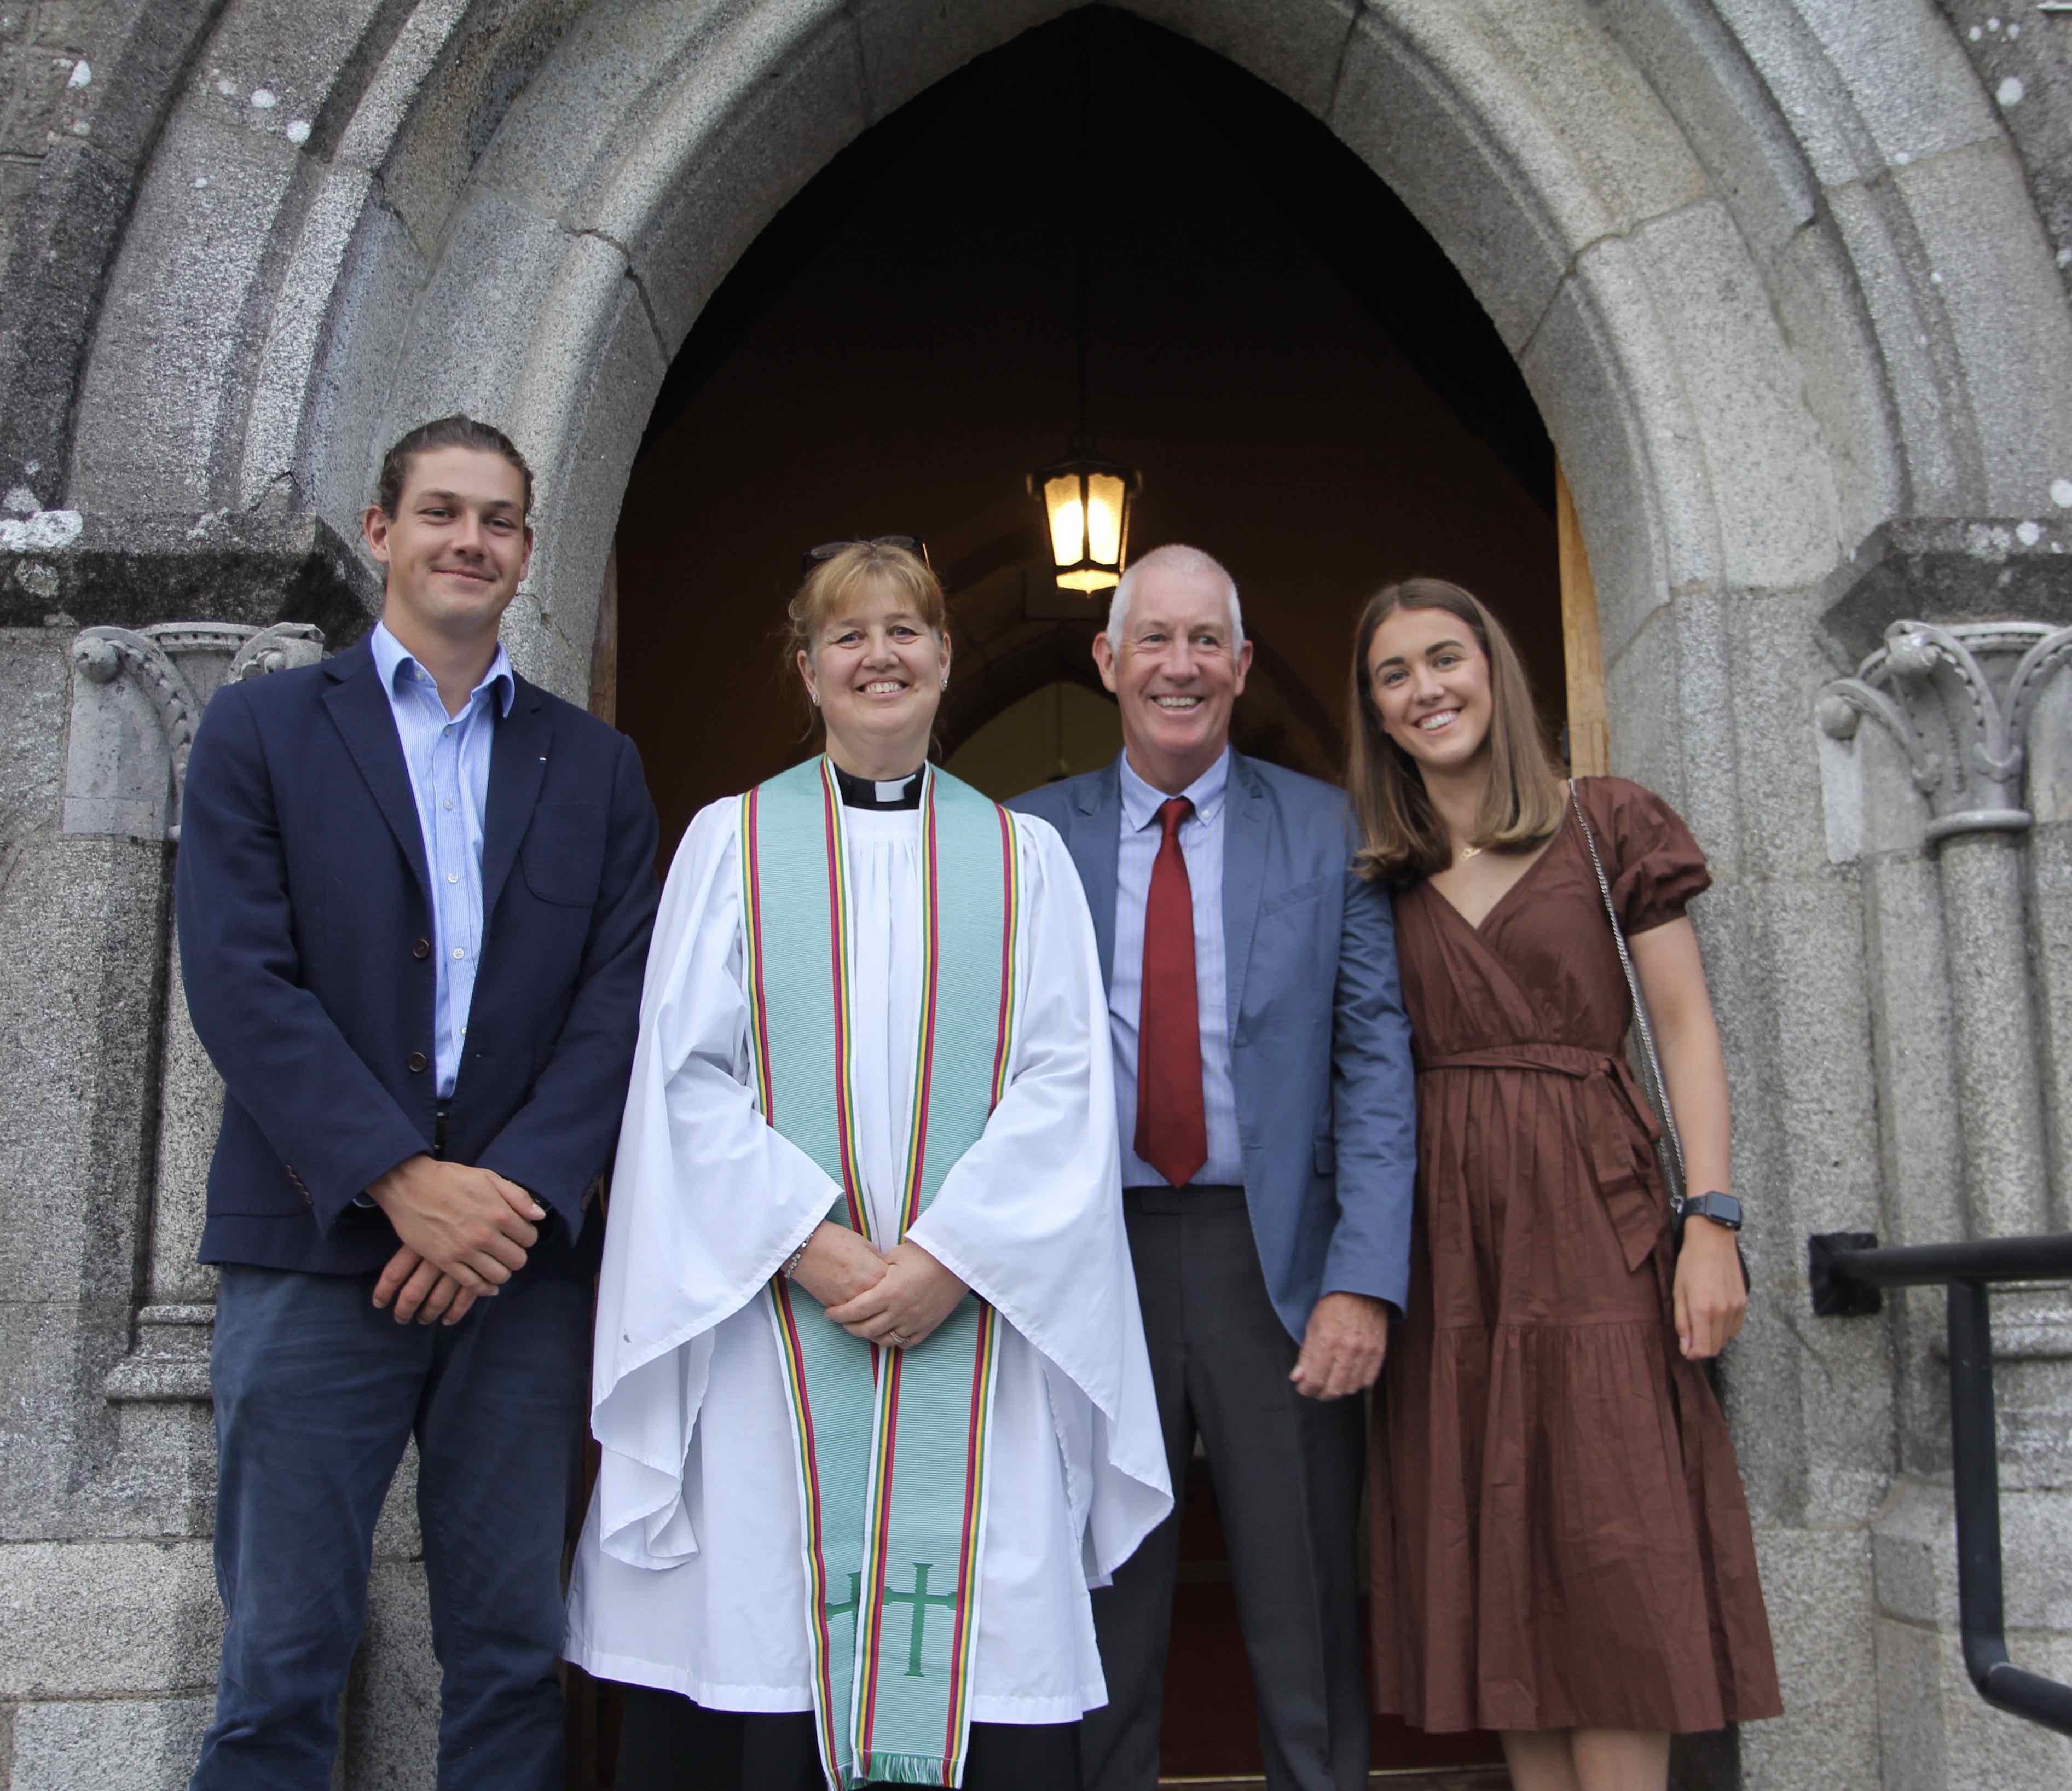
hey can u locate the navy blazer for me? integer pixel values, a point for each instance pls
(1320, 1046)
(305, 921)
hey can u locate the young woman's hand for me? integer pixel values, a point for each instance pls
(1710, 1297)
(838, 1265)
(916, 1295)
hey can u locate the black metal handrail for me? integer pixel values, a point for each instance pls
(1847, 1271)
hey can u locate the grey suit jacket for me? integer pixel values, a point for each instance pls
(1320, 1047)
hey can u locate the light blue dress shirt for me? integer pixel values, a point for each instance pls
(448, 758)
(1201, 846)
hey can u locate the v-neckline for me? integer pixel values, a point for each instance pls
(1480, 928)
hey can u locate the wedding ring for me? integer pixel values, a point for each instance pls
(898, 1341)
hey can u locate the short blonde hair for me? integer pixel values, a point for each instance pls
(1524, 801)
(836, 580)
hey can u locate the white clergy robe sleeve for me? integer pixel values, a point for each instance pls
(1031, 1218)
(687, 1245)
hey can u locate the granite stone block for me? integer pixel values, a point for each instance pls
(1689, 57)
(724, 158)
(1767, 467)
(1864, 87)
(156, 1626)
(589, 386)
(1600, 366)
(35, 683)
(1817, 1584)
(168, 347)
(1821, 314)
(1407, 118)
(2002, 305)
(82, 960)
(134, 1744)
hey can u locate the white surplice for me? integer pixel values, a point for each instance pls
(690, 1575)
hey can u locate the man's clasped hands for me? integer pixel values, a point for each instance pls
(466, 1232)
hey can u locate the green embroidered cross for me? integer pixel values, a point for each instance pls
(918, 1599)
(855, 1597)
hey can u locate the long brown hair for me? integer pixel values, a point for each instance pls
(1523, 801)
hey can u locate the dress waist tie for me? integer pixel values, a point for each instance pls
(1614, 1109)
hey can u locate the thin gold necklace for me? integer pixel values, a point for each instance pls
(1466, 853)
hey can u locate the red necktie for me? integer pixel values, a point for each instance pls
(1172, 1135)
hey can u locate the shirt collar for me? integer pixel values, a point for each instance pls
(1141, 801)
(391, 656)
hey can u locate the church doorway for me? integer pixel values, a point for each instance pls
(1307, 388)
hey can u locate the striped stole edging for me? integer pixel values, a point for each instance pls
(892, 1445)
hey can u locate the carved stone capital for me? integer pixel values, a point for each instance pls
(1959, 701)
(123, 778)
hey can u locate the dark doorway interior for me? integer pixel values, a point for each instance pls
(1310, 392)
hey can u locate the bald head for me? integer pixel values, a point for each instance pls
(1174, 561)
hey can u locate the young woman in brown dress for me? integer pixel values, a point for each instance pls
(1561, 1550)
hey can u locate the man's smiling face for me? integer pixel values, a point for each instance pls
(458, 545)
(1176, 671)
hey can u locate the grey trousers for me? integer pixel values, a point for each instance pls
(1287, 1473)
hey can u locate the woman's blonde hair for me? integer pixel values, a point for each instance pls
(1523, 801)
(835, 582)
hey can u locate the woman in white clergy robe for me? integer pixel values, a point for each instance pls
(870, 1381)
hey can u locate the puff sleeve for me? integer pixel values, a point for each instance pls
(1656, 866)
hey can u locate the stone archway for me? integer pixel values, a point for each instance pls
(1770, 270)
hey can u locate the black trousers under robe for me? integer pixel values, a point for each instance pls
(668, 1743)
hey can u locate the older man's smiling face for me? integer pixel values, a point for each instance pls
(1176, 672)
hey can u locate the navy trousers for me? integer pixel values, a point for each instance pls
(316, 1395)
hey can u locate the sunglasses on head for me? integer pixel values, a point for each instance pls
(827, 550)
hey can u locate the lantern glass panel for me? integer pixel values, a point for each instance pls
(1105, 493)
(1062, 502)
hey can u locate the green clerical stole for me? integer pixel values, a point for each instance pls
(892, 1443)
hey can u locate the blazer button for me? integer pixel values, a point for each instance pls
(422, 949)
(419, 1061)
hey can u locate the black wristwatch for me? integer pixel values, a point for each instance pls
(1722, 1209)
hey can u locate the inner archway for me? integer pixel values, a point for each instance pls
(1309, 388)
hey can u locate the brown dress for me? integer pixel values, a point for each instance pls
(1560, 1537)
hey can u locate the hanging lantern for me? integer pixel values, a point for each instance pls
(1086, 504)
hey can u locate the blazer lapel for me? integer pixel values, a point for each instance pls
(1247, 822)
(517, 768)
(1095, 846)
(360, 708)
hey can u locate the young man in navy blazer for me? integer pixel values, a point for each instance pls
(414, 896)
(1265, 1087)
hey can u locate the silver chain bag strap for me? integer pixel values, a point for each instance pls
(1670, 1148)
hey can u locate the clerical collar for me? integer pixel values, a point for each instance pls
(863, 793)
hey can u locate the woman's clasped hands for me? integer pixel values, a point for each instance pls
(895, 1300)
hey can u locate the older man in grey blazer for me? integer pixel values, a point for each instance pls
(1264, 1078)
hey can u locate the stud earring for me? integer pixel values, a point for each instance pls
(814, 696)
(946, 680)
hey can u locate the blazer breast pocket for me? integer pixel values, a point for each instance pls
(1298, 896)
(562, 855)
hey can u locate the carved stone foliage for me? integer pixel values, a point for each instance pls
(1959, 702)
(123, 776)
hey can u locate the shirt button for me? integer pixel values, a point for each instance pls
(419, 1061)
(448, 803)
(422, 949)
(453, 876)
(447, 729)
(460, 951)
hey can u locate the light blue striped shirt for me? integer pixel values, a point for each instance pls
(448, 758)
(1201, 846)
